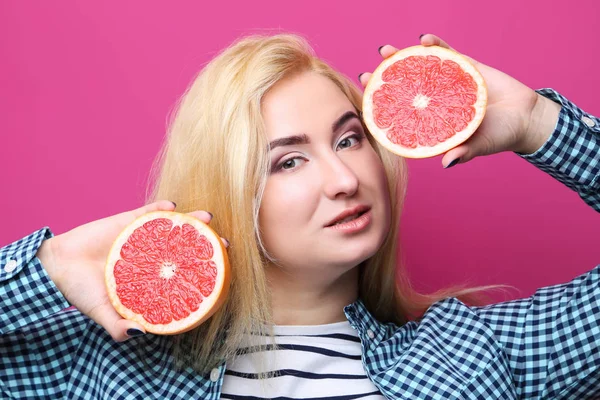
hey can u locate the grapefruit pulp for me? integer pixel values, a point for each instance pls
(423, 101)
(167, 271)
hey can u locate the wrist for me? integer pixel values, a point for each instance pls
(541, 124)
(45, 254)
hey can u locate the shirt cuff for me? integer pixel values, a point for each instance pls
(572, 153)
(27, 292)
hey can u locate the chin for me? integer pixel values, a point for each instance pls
(355, 253)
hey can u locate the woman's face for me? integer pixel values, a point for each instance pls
(322, 166)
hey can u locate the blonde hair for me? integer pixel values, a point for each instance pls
(215, 159)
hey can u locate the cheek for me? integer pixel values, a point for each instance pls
(371, 172)
(287, 206)
(373, 176)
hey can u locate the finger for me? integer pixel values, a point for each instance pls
(203, 216)
(463, 153)
(364, 78)
(426, 40)
(453, 157)
(225, 242)
(114, 324)
(161, 205)
(479, 144)
(387, 50)
(431, 40)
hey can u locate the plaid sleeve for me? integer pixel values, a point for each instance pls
(39, 340)
(572, 153)
(26, 291)
(552, 339)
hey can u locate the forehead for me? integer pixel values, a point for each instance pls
(304, 103)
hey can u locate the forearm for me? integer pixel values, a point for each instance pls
(541, 125)
(46, 256)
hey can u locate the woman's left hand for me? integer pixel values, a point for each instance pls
(517, 118)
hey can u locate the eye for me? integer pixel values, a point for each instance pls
(290, 163)
(350, 141)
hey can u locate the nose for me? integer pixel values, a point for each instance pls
(339, 180)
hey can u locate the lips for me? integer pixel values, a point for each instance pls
(349, 214)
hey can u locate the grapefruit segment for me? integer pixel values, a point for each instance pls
(423, 101)
(167, 271)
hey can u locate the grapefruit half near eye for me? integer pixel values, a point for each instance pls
(423, 101)
(167, 271)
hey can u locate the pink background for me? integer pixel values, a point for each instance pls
(86, 88)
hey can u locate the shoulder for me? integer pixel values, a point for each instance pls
(450, 351)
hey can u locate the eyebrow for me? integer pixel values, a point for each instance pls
(303, 137)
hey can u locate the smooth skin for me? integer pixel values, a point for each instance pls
(310, 184)
(517, 119)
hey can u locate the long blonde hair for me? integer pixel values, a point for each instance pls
(215, 159)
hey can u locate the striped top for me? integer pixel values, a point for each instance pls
(310, 362)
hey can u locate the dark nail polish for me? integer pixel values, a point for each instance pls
(453, 163)
(133, 332)
(175, 204)
(379, 49)
(359, 75)
(422, 34)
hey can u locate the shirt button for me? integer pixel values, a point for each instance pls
(10, 266)
(588, 121)
(214, 374)
(370, 334)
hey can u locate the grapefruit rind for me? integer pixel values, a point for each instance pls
(376, 81)
(209, 304)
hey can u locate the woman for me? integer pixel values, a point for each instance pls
(269, 139)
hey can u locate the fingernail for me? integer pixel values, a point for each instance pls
(379, 49)
(226, 242)
(422, 34)
(359, 75)
(133, 332)
(211, 215)
(174, 204)
(453, 163)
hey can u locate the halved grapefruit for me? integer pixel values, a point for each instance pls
(167, 271)
(423, 101)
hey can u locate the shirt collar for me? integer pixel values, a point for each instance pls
(369, 329)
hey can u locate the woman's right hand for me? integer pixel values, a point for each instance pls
(75, 261)
(517, 119)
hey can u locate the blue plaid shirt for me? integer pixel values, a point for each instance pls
(543, 347)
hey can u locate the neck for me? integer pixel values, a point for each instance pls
(300, 299)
